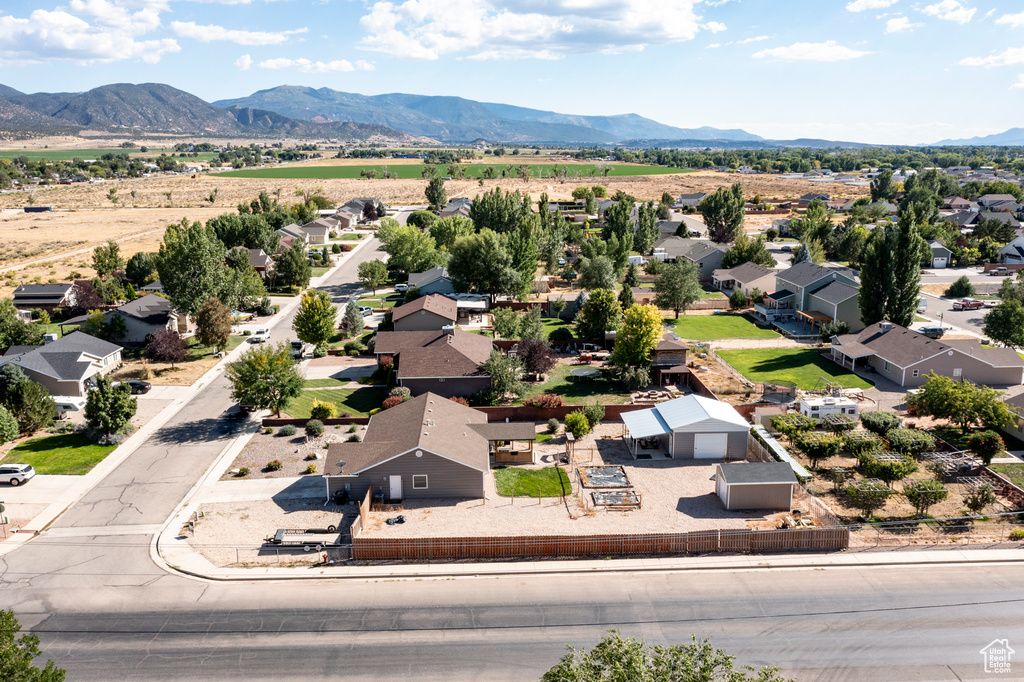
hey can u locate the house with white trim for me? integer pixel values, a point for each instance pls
(691, 427)
(66, 366)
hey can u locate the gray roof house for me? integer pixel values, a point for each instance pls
(689, 199)
(66, 366)
(147, 315)
(432, 281)
(706, 255)
(1013, 252)
(746, 277)
(446, 362)
(812, 295)
(906, 357)
(941, 256)
(45, 296)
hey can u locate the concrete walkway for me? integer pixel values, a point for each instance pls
(297, 487)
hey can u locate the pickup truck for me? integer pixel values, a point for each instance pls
(968, 304)
(298, 349)
(997, 272)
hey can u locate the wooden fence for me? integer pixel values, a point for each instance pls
(582, 546)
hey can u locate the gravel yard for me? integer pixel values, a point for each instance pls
(232, 533)
(291, 450)
(677, 495)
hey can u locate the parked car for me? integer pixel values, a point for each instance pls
(932, 332)
(996, 272)
(298, 349)
(992, 303)
(261, 335)
(241, 315)
(16, 474)
(922, 305)
(365, 310)
(348, 229)
(401, 287)
(787, 249)
(968, 304)
(139, 387)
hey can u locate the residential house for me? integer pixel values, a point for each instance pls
(813, 295)
(570, 304)
(444, 362)
(745, 277)
(691, 427)
(144, 316)
(806, 199)
(1013, 253)
(346, 219)
(706, 255)
(694, 227)
(955, 203)
(427, 447)
(905, 357)
(668, 360)
(1016, 405)
(692, 200)
(988, 202)
(66, 366)
(433, 312)
(48, 297)
(755, 485)
(318, 232)
(357, 207)
(432, 281)
(1007, 218)
(153, 288)
(940, 255)
(643, 295)
(289, 234)
(458, 206)
(258, 259)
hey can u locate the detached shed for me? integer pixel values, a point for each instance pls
(755, 485)
(691, 427)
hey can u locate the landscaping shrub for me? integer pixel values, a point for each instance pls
(460, 400)
(242, 472)
(985, 444)
(910, 441)
(979, 498)
(960, 288)
(269, 430)
(274, 465)
(889, 471)
(868, 495)
(924, 494)
(634, 378)
(286, 430)
(322, 409)
(391, 402)
(552, 425)
(310, 469)
(1017, 534)
(561, 334)
(374, 411)
(352, 353)
(737, 300)
(837, 423)
(818, 446)
(880, 422)
(353, 428)
(544, 401)
(335, 248)
(594, 414)
(247, 332)
(314, 428)
(400, 392)
(320, 352)
(576, 423)
(354, 438)
(861, 442)
(792, 424)
(353, 346)
(312, 455)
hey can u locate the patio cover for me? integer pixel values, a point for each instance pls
(854, 350)
(780, 295)
(645, 423)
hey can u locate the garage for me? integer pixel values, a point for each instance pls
(755, 485)
(691, 427)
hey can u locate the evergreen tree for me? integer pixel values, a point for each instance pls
(436, 194)
(907, 250)
(647, 228)
(619, 221)
(626, 298)
(876, 278)
(522, 246)
(882, 187)
(723, 213)
(632, 276)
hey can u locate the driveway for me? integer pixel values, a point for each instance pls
(941, 310)
(340, 367)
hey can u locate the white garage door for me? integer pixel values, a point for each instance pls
(710, 445)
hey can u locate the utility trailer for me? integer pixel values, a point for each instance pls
(307, 538)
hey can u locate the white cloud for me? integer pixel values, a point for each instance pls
(309, 66)
(900, 24)
(428, 29)
(1010, 56)
(210, 33)
(514, 53)
(950, 10)
(713, 46)
(46, 36)
(1013, 20)
(363, 65)
(1020, 82)
(755, 39)
(828, 51)
(244, 63)
(861, 5)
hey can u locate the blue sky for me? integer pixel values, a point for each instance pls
(884, 71)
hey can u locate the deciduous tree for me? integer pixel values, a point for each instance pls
(213, 324)
(1005, 323)
(293, 268)
(18, 653)
(167, 346)
(265, 377)
(109, 408)
(449, 230)
(191, 265)
(600, 312)
(372, 274)
(639, 334)
(481, 263)
(677, 287)
(505, 373)
(106, 258)
(597, 273)
(436, 194)
(723, 213)
(314, 320)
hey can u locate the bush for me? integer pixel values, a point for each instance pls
(1017, 534)
(837, 423)
(314, 428)
(576, 423)
(889, 471)
(737, 299)
(561, 334)
(391, 402)
(868, 495)
(862, 443)
(634, 378)
(553, 425)
(354, 438)
(910, 441)
(374, 411)
(353, 428)
(247, 332)
(960, 288)
(335, 248)
(352, 353)
(269, 430)
(460, 400)
(320, 352)
(818, 446)
(400, 392)
(924, 494)
(594, 414)
(286, 430)
(792, 424)
(880, 422)
(274, 465)
(322, 409)
(985, 444)
(310, 469)
(312, 455)
(544, 401)
(242, 472)
(979, 498)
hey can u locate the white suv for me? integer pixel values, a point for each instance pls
(16, 474)
(262, 335)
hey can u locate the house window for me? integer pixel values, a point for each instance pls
(916, 373)
(419, 482)
(958, 372)
(886, 367)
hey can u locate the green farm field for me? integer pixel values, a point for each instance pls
(413, 171)
(77, 153)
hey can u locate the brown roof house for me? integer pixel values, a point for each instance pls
(426, 313)
(906, 357)
(668, 360)
(443, 362)
(427, 447)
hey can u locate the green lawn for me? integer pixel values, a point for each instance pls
(356, 401)
(549, 482)
(473, 170)
(553, 323)
(350, 237)
(68, 453)
(326, 383)
(197, 351)
(712, 327)
(319, 271)
(579, 391)
(1014, 472)
(805, 367)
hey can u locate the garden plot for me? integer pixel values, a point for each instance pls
(604, 477)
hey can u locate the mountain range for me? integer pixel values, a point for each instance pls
(1014, 137)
